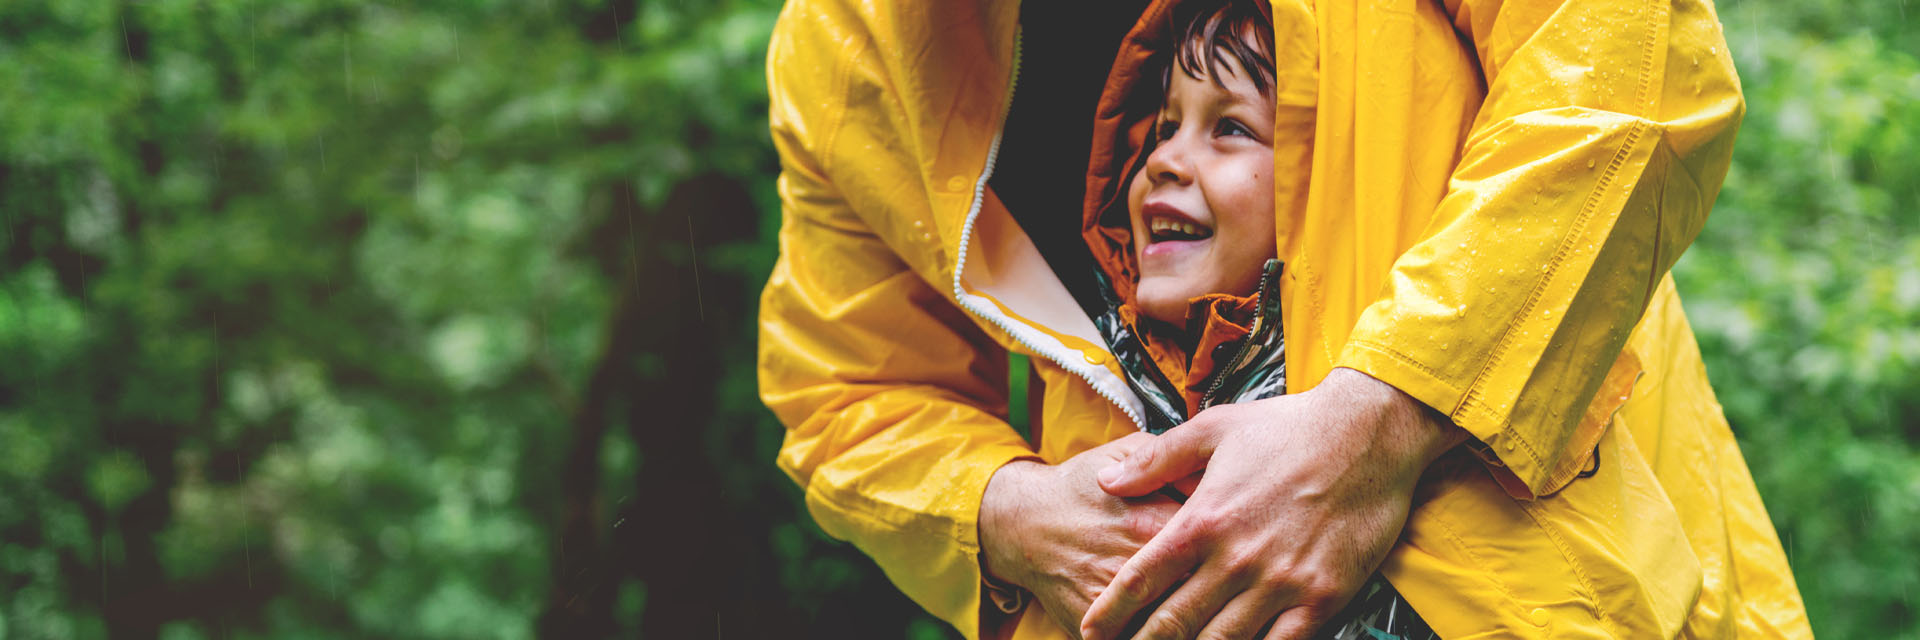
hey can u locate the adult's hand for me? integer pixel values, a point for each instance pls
(1051, 530)
(1302, 498)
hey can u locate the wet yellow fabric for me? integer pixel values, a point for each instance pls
(1496, 191)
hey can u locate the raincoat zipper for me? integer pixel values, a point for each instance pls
(1261, 321)
(966, 237)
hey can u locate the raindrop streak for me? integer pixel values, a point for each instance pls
(124, 37)
(619, 41)
(699, 298)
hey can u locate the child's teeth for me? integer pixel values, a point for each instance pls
(1162, 224)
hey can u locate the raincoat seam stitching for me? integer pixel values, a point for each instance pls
(1388, 351)
(1648, 48)
(1474, 399)
(1559, 258)
(1573, 562)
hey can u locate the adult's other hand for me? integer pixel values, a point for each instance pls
(1302, 498)
(1051, 530)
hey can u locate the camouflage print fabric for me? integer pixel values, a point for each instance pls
(1257, 370)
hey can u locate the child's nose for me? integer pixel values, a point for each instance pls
(1168, 162)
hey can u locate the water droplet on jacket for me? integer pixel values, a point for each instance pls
(1589, 163)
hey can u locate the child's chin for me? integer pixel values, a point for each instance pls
(1164, 302)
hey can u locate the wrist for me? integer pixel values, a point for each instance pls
(1423, 432)
(1001, 508)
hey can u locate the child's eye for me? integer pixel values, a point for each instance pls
(1231, 127)
(1165, 130)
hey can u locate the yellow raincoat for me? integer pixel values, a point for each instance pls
(1496, 192)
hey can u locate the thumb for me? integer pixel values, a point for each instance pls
(1162, 460)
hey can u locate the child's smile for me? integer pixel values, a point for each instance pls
(1171, 230)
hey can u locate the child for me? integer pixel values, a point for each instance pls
(1181, 220)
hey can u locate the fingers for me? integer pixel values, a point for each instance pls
(1146, 575)
(1183, 613)
(1160, 461)
(1246, 616)
(1297, 623)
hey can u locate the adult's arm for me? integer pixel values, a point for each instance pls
(893, 400)
(1606, 131)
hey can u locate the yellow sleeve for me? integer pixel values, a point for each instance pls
(893, 400)
(1606, 130)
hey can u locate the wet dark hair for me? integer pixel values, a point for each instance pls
(1214, 31)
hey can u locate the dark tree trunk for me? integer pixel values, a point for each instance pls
(672, 533)
(681, 546)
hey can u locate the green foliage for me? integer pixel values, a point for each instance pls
(299, 298)
(303, 304)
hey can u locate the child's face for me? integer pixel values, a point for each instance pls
(1202, 205)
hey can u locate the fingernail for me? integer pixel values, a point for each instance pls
(1109, 474)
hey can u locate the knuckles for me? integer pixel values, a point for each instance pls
(1244, 560)
(1284, 577)
(1141, 459)
(1134, 588)
(1169, 623)
(1141, 523)
(1318, 603)
(1205, 522)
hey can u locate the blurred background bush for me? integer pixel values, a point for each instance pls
(343, 318)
